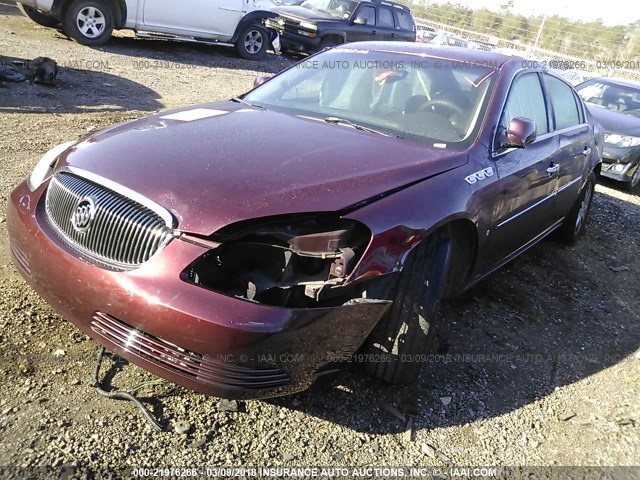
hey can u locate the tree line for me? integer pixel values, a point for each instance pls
(589, 40)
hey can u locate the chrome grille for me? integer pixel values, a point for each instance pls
(123, 233)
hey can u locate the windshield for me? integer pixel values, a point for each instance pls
(412, 97)
(619, 98)
(337, 8)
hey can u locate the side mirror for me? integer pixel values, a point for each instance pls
(520, 132)
(360, 20)
(260, 79)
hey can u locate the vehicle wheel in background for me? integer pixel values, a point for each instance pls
(403, 336)
(575, 224)
(89, 22)
(252, 42)
(327, 42)
(39, 17)
(635, 180)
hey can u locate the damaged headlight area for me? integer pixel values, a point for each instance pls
(293, 262)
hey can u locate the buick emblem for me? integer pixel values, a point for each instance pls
(83, 214)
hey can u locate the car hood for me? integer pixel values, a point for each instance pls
(615, 122)
(215, 164)
(303, 13)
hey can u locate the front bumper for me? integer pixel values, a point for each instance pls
(205, 341)
(620, 163)
(293, 41)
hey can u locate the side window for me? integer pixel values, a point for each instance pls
(576, 97)
(526, 100)
(368, 13)
(385, 17)
(403, 20)
(564, 104)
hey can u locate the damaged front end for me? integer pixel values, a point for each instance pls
(293, 262)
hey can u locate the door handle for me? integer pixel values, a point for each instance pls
(553, 168)
(373, 32)
(393, 35)
(586, 151)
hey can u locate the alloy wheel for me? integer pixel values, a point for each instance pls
(584, 207)
(253, 41)
(91, 22)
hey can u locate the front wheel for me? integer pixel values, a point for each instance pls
(401, 341)
(39, 17)
(88, 22)
(635, 180)
(575, 224)
(252, 42)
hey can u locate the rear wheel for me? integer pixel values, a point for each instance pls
(88, 22)
(574, 225)
(403, 336)
(39, 17)
(252, 42)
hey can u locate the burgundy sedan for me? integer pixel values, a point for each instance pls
(247, 247)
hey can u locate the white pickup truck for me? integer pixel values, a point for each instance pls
(238, 23)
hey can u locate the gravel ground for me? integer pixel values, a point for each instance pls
(542, 363)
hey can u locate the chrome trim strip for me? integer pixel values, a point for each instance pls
(166, 216)
(530, 207)
(567, 185)
(516, 253)
(539, 202)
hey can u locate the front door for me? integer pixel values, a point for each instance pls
(193, 17)
(359, 32)
(527, 177)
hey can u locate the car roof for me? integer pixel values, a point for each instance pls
(617, 81)
(450, 53)
(387, 2)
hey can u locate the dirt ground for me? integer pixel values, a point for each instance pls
(543, 358)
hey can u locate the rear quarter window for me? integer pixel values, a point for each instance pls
(404, 20)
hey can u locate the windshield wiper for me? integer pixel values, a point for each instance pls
(240, 100)
(357, 126)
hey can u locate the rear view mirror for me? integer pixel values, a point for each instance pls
(520, 132)
(260, 79)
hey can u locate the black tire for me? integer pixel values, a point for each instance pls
(96, 29)
(635, 180)
(575, 224)
(39, 17)
(403, 337)
(253, 42)
(327, 42)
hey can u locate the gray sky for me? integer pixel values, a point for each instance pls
(612, 12)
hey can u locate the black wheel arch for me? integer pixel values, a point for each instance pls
(256, 17)
(341, 37)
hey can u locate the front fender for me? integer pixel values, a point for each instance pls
(257, 17)
(425, 206)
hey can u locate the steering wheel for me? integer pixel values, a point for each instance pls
(444, 103)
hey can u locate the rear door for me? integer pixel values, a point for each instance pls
(523, 210)
(385, 23)
(574, 137)
(405, 26)
(193, 17)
